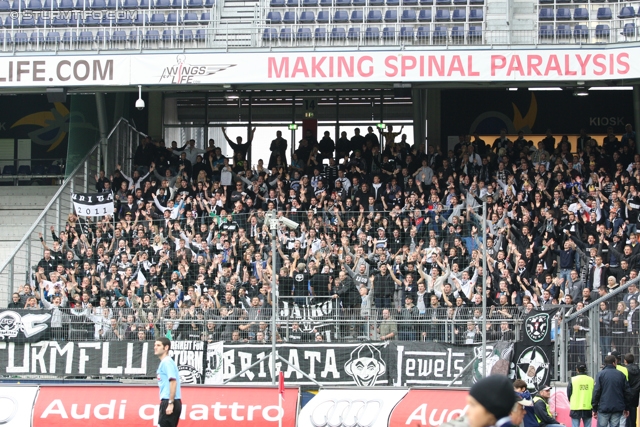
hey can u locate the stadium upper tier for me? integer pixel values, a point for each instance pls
(188, 24)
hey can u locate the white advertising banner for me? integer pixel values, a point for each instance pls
(322, 67)
(367, 407)
(16, 405)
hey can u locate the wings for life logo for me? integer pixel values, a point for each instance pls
(537, 326)
(183, 72)
(533, 367)
(365, 365)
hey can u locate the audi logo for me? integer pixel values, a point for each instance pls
(9, 409)
(346, 413)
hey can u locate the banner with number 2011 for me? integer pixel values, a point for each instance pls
(98, 204)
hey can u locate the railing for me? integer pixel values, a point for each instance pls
(218, 36)
(17, 269)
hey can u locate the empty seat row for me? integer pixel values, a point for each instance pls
(575, 1)
(101, 4)
(373, 33)
(564, 14)
(102, 36)
(328, 3)
(357, 16)
(26, 170)
(89, 21)
(579, 31)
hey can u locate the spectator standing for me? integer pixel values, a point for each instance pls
(611, 395)
(580, 393)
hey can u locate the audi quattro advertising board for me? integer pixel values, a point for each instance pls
(137, 406)
(16, 405)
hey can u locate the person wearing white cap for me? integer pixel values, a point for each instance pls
(543, 411)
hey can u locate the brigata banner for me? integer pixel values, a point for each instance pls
(24, 325)
(540, 64)
(64, 358)
(88, 204)
(137, 406)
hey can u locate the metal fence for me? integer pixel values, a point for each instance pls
(18, 268)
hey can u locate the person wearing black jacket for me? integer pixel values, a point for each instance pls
(385, 287)
(611, 395)
(634, 384)
(15, 302)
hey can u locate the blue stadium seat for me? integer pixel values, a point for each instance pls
(60, 22)
(277, 3)
(152, 36)
(410, 2)
(209, 3)
(376, 2)
(440, 34)
(69, 37)
(341, 16)
(98, 4)
(357, 17)
(91, 21)
(18, 5)
(391, 15)
(442, 15)
(545, 31)
(66, 5)
(563, 31)
(36, 38)
(286, 34)
(273, 17)
(604, 13)
(342, 2)
(323, 17)
(11, 22)
(145, 4)
(35, 5)
(43, 22)
(201, 35)
(124, 21)
(162, 4)
(603, 30)
(388, 33)
(141, 19)
(289, 18)
(581, 1)
(102, 36)
(326, 3)
(194, 3)
(408, 16)
(270, 34)
(4, 6)
(393, 2)
(443, 2)
(27, 22)
(358, 3)
(476, 15)
(372, 33)
(9, 169)
(304, 33)
(5, 38)
(50, 4)
(113, 5)
(205, 18)
(157, 19)
(307, 17)
(320, 33)
(424, 33)
(293, 3)
(185, 35)
(119, 36)
(545, 14)
(168, 36)
(39, 170)
(426, 2)
(353, 34)
(563, 14)
(172, 18)
(129, 4)
(374, 16)
(309, 3)
(580, 31)
(459, 2)
(85, 37)
(424, 15)
(581, 14)
(192, 18)
(475, 33)
(629, 30)
(53, 37)
(627, 12)
(135, 36)
(178, 4)
(459, 15)
(55, 170)
(406, 33)
(338, 33)
(457, 34)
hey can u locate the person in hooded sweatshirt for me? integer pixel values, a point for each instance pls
(530, 416)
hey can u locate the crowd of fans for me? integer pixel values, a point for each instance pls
(390, 240)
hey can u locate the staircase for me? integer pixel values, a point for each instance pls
(238, 24)
(511, 21)
(523, 21)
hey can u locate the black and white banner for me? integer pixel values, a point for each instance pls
(533, 365)
(93, 204)
(24, 325)
(537, 327)
(64, 358)
(319, 317)
(213, 363)
(189, 357)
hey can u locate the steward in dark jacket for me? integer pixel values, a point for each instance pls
(611, 393)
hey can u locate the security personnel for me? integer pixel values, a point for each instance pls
(619, 366)
(580, 392)
(543, 412)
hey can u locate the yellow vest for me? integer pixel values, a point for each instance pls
(581, 394)
(624, 370)
(535, 399)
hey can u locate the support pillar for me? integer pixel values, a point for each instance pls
(101, 109)
(636, 114)
(418, 100)
(434, 118)
(154, 107)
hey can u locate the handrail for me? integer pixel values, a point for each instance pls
(57, 194)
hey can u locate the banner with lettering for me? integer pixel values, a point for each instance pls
(88, 204)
